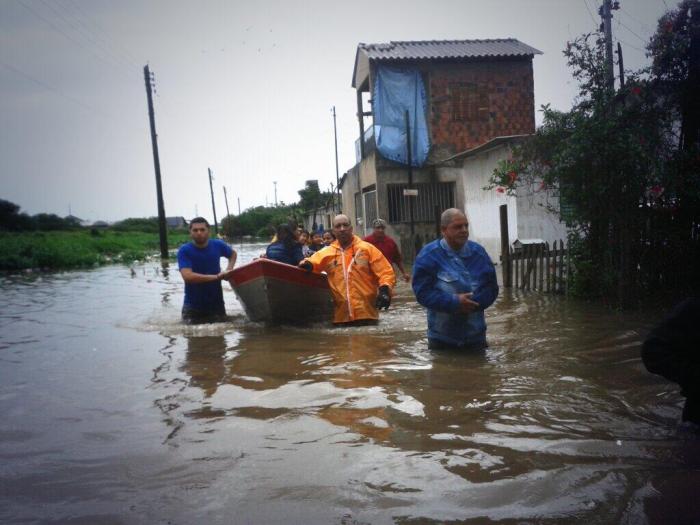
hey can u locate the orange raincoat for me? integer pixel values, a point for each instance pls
(354, 275)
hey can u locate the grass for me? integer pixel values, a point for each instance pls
(79, 249)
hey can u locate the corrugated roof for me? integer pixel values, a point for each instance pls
(445, 49)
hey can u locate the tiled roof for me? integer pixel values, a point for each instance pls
(442, 49)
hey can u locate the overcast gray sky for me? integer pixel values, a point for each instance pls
(243, 88)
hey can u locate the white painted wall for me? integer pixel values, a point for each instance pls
(528, 215)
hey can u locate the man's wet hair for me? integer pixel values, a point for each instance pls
(199, 220)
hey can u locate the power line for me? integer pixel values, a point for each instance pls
(100, 33)
(644, 40)
(595, 22)
(54, 90)
(83, 34)
(60, 31)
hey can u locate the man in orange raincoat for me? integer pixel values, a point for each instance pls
(360, 277)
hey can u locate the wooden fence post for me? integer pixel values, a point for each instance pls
(505, 244)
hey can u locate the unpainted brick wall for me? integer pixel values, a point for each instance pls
(510, 90)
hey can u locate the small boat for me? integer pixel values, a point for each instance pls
(272, 291)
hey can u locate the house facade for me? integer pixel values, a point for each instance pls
(474, 92)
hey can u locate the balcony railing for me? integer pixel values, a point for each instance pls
(369, 143)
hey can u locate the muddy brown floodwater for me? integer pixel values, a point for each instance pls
(113, 412)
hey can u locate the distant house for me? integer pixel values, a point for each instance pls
(469, 101)
(320, 219)
(99, 224)
(176, 222)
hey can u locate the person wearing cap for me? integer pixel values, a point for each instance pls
(359, 276)
(387, 246)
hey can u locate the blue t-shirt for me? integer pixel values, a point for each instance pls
(204, 297)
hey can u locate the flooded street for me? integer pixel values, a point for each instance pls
(113, 412)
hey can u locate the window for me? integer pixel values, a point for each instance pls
(432, 200)
(469, 102)
(358, 209)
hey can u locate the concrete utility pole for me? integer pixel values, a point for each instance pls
(337, 177)
(239, 205)
(605, 12)
(275, 183)
(162, 230)
(226, 201)
(213, 206)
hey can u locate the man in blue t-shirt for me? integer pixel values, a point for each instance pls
(455, 280)
(200, 266)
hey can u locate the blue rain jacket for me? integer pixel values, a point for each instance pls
(278, 251)
(439, 274)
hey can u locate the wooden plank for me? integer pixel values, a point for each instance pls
(540, 266)
(548, 270)
(561, 266)
(554, 267)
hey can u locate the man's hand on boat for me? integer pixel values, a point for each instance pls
(225, 275)
(306, 265)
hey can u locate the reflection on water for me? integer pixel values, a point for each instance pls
(115, 412)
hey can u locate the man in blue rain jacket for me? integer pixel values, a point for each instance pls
(455, 280)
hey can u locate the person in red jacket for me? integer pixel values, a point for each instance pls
(387, 246)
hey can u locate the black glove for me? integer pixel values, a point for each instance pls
(383, 298)
(306, 265)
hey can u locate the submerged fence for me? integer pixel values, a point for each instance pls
(538, 267)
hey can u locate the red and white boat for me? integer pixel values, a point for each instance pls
(272, 291)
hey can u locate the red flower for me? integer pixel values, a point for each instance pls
(543, 186)
(636, 90)
(512, 176)
(500, 190)
(668, 27)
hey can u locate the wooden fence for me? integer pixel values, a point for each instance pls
(536, 267)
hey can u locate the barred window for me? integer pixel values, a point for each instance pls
(469, 102)
(430, 197)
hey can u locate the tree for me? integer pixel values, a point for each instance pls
(614, 160)
(12, 220)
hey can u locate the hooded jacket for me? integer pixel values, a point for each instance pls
(354, 275)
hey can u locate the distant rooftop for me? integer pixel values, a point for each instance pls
(437, 50)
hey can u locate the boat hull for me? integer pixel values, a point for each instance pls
(274, 292)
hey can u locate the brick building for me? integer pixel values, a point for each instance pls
(477, 92)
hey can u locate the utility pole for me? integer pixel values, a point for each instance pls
(213, 206)
(605, 12)
(337, 178)
(621, 65)
(239, 205)
(226, 201)
(409, 160)
(163, 232)
(275, 183)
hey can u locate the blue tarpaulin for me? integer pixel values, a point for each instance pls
(395, 91)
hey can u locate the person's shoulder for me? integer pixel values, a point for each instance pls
(431, 247)
(477, 248)
(429, 251)
(185, 248)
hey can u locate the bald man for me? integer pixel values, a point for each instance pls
(360, 277)
(455, 280)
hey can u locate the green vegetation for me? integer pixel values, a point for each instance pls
(262, 220)
(78, 249)
(626, 166)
